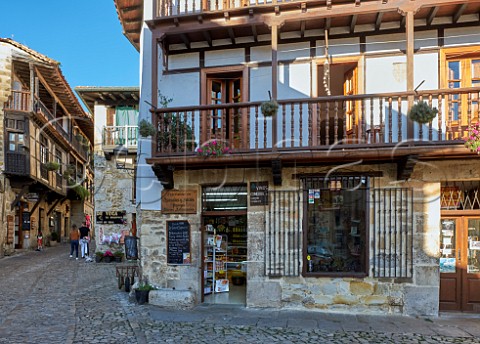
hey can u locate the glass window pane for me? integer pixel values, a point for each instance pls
(454, 70)
(336, 232)
(473, 252)
(447, 246)
(475, 69)
(11, 147)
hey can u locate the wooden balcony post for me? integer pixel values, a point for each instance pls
(410, 67)
(32, 86)
(274, 81)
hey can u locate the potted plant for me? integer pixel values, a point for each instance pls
(269, 108)
(108, 256)
(52, 166)
(472, 141)
(421, 112)
(118, 256)
(146, 129)
(54, 238)
(213, 148)
(99, 256)
(141, 293)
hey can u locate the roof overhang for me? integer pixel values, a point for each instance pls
(130, 14)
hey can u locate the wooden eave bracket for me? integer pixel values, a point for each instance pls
(58, 200)
(405, 167)
(20, 194)
(164, 175)
(277, 172)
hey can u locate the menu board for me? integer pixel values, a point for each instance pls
(258, 193)
(26, 221)
(178, 242)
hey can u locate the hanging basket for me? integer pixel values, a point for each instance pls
(422, 113)
(269, 108)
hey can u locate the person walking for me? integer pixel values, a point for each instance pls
(84, 239)
(39, 241)
(74, 241)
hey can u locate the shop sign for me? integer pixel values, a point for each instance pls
(111, 217)
(179, 201)
(258, 193)
(31, 197)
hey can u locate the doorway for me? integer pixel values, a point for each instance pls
(224, 245)
(460, 264)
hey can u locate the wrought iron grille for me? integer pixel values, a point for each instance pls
(283, 236)
(393, 232)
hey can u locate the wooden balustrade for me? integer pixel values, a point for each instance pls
(18, 101)
(316, 123)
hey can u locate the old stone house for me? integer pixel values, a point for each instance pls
(115, 113)
(47, 179)
(354, 195)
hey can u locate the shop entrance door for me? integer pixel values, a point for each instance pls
(460, 264)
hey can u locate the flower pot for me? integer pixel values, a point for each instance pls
(141, 296)
(118, 259)
(107, 259)
(98, 259)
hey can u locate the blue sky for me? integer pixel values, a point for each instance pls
(85, 36)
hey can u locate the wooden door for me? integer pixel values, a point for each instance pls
(460, 264)
(350, 88)
(224, 124)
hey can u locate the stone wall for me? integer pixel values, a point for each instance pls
(113, 192)
(416, 296)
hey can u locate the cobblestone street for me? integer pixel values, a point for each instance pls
(50, 298)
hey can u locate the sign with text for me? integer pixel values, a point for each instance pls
(111, 217)
(179, 201)
(258, 193)
(178, 242)
(26, 221)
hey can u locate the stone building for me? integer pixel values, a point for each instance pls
(356, 193)
(115, 113)
(47, 179)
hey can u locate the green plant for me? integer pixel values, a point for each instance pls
(52, 166)
(81, 191)
(146, 287)
(118, 253)
(421, 112)
(472, 141)
(213, 148)
(99, 254)
(145, 128)
(269, 108)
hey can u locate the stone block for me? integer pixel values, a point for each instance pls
(421, 301)
(178, 299)
(361, 288)
(264, 294)
(427, 275)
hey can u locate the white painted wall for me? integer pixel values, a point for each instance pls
(224, 57)
(191, 60)
(100, 120)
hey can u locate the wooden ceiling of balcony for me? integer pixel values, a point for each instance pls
(306, 20)
(130, 14)
(108, 96)
(54, 86)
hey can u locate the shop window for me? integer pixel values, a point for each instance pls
(335, 225)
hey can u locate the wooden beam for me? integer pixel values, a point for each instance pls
(19, 195)
(410, 65)
(231, 34)
(431, 15)
(328, 23)
(208, 37)
(274, 81)
(53, 206)
(254, 33)
(112, 97)
(378, 21)
(40, 200)
(459, 12)
(185, 40)
(302, 28)
(353, 22)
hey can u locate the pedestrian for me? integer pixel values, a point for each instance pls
(74, 241)
(84, 239)
(39, 240)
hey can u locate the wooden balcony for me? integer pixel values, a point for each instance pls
(327, 129)
(116, 137)
(20, 101)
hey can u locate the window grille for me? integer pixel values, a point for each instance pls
(393, 232)
(460, 196)
(283, 236)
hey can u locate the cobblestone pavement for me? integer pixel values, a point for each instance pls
(50, 298)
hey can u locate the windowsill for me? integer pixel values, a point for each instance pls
(334, 274)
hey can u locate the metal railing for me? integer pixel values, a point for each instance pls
(348, 121)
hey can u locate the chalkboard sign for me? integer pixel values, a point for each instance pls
(258, 193)
(26, 221)
(178, 242)
(131, 250)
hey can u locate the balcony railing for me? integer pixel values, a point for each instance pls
(126, 136)
(336, 122)
(16, 163)
(18, 101)
(167, 8)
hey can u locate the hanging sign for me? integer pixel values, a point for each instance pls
(179, 201)
(111, 217)
(258, 193)
(178, 242)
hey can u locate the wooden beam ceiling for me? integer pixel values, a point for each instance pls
(353, 22)
(459, 12)
(431, 15)
(378, 21)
